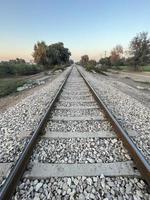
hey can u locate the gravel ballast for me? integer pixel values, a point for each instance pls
(77, 112)
(24, 117)
(53, 149)
(82, 188)
(14, 151)
(80, 150)
(68, 97)
(131, 113)
(78, 126)
(75, 104)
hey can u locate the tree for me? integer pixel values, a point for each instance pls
(105, 61)
(116, 54)
(17, 61)
(91, 65)
(40, 53)
(20, 61)
(71, 61)
(92, 62)
(48, 56)
(84, 60)
(58, 54)
(139, 50)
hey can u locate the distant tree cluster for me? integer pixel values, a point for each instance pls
(138, 55)
(50, 55)
(15, 61)
(88, 64)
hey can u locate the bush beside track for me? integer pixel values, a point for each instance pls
(8, 69)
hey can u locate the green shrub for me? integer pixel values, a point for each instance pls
(60, 67)
(8, 69)
(26, 69)
(8, 86)
(89, 67)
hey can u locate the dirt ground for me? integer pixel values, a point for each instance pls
(136, 76)
(14, 98)
(136, 88)
(140, 90)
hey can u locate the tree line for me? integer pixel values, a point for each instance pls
(138, 55)
(45, 57)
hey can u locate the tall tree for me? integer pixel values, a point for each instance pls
(40, 53)
(140, 50)
(84, 60)
(116, 54)
(58, 54)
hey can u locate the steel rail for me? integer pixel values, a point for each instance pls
(140, 162)
(18, 169)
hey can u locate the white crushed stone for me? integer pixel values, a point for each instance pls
(77, 113)
(130, 112)
(24, 117)
(78, 126)
(80, 150)
(82, 188)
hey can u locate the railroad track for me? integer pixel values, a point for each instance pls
(75, 154)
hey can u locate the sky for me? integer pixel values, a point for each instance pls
(84, 26)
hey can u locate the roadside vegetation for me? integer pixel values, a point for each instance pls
(12, 68)
(12, 74)
(9, 85)
(46, 57)
(136, 58)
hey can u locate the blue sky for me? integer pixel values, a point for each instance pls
(85, 26)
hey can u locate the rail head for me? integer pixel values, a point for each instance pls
(140, 162)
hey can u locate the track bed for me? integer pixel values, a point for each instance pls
(78, 154)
